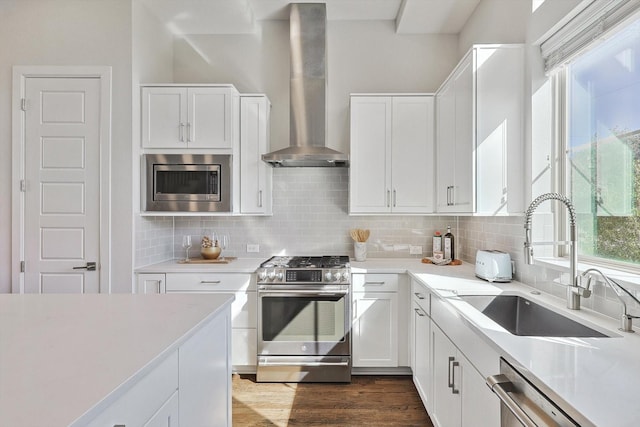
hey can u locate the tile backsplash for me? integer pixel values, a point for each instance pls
(310, 217)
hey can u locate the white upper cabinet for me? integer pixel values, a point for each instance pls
(479, 128)
(188, 117)
(391, 159)
(256, 175)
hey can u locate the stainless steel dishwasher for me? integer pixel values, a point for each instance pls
(523, 404)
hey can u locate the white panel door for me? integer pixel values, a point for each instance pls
(370, 168)
(464, 156)
(62, 172)
(412, 154)
(445, 147)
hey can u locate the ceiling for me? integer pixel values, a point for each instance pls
(240, 16)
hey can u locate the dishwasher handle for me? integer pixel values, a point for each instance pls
(502, 386)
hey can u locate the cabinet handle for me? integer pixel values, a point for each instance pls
(419, 312)
(449, 381)
(394, 197)
(210, 282)
(189, 139)
(374, 283)
(419, 295)
(449, 188)
(181, 130)
(454, 365)
(259, 198)
(388, 196)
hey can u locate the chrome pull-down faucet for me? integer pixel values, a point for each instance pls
(574, 290)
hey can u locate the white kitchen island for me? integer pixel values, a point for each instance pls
(134, 360)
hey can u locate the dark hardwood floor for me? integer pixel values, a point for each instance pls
(367, 401)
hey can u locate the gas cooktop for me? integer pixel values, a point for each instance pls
(325, 261)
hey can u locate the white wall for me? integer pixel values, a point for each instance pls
(496, 21)
(70, 32)
(362, 56)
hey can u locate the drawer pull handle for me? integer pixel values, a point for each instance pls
(210, 282)
(419, 312)
(449, 380)
(419, 295)
(374, 283)
(453, 377)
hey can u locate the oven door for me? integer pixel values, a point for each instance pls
(305, 320)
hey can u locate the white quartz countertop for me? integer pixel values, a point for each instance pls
(238, 265)
(62, 355)
(597, 377)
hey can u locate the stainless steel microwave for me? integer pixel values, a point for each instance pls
(187, 182)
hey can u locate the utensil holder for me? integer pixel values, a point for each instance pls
(360, 251)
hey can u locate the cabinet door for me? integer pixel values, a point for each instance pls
(167, 415)
(412, 154)
(370, 166)
(464, 155)
(480, 406)
(255, 184)
(164, 117)
(499, 135)
(210, 117)
(375, 329)
(446, 381)
(205, 375)
(445, 148)
(151, 284)
(422, 354)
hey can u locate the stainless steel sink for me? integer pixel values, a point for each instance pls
(521, 316)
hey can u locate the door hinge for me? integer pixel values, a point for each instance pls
(21, 266)
(23, 185)
(23, 104)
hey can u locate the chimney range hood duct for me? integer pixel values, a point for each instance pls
(308, 36)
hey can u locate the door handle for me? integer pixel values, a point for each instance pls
(388, 196)
(259, 198)
(181, 132)
(454, 365)
(449, 380)
(189, 139)
(394, 197)
(91, 266)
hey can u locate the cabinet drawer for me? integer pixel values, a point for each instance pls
(374, 282)
(421, 295)
(210, 282)
(140, 402)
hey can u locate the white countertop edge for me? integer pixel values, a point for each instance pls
(130, 382)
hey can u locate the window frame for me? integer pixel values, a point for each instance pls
(562, 181)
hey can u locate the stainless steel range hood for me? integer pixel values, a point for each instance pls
(308, 37)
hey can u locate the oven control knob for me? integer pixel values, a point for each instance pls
(271, 274)
(279, 276)
(262, 275)
(337, 276)
(328, 276)
(345, 276)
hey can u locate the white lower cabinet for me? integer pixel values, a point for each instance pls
(421, 343)
(151, 283)
(244, 309)
(190, 387)
(379, 309)
(460, 396)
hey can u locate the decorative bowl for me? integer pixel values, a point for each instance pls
(210, 253)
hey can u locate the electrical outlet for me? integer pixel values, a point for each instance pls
(415, 250)
(253, 248)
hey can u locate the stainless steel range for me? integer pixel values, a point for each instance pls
(304, 319)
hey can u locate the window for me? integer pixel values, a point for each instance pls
(602, 142)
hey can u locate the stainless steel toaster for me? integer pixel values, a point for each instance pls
(493, 265)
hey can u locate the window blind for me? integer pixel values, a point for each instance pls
(593, 22)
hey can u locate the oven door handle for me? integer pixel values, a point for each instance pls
(502, 386)
(290, 293)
